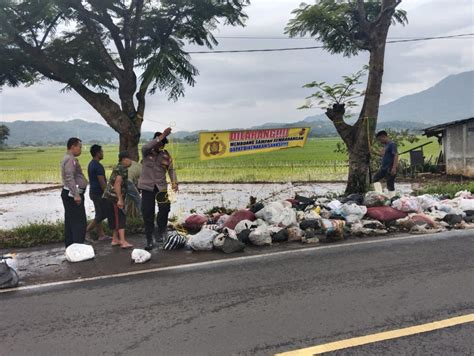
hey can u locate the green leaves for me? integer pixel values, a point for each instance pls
(342, 93)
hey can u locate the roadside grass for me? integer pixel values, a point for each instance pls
(317, 161)
(449, 189)
(43, 233)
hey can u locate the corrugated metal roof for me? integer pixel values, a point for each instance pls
(433, 130)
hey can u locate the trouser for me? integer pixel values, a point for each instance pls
(149, 199)
(385, 173)
(132, 193)
(75, 220)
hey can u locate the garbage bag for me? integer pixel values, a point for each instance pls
(280, 236)
(452, 219)
(375, 199)
(334, 229)
(422, 219)
(222, 219)
(195, 222)
(244, 225)
(243, 236)
(463, 194)
(272, 213)
(310, 223)
(304, 202)
(352, 212)
(427, 201)
(261, 236)
(237, 217)
(174, 241)
(385, 213)
(232, 245)
(288, 217)
(407, 204)
(8, 276)
(203, 240)
(295, 233)
(466, 204)
(140, 256)
(353, 198)
(256, 207)
(220, 239)
(358, 229)
(334, 205)
(79, 252)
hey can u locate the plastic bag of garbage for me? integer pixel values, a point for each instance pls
(385, 213)
(288, 217)
(203, 240)
(195, 222)
(175, 240)
(334, 205)
(8, 276)
(358, 229)
(466, 204)
(140, 256)
(407, 204)
(79, 252)
(427, 201)
(261, 236)
(272, 213)
(422, 219)
(222, 219)
(238, 216)
(463, 194)
(280, 236)
(295, 233)
(375, 199)
(219, 240)
(244, 225)
(352, 212)
(334, 229)
(243, 236)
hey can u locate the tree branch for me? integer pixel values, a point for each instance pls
(48, 30)
(336, 115)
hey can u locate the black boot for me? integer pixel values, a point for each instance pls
(161, 235)
(150, 244)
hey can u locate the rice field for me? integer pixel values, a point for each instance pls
(317, 161)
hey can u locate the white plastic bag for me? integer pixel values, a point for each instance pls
(140, 256)
(334, 205)
(203, 240)
(427, 201)
(222, 220)
(407, 205)
(466, 204)
(271, 213)
(261, 236)
(79, 252)
(288, 217)
(244, 225)
(352, 213)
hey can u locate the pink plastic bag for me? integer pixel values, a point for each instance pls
(385, 213)
(237, 217)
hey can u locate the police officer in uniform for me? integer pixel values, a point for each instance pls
(72, 195)
(157, 162)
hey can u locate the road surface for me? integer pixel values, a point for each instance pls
(259, 306)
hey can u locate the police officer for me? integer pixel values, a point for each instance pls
(157, 162)
(72, 195)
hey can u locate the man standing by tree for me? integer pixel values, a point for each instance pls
(389, 165)
(156, 164)
(98, 183)
(74, 186)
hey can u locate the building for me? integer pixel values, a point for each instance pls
(457, 140)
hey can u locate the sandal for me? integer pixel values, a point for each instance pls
(115, 244)
(126, 245)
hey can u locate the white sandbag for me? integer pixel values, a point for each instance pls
(261, 236)
(79, 252)
(352, 212)
(271, 213)
(288, 217)
(334, 205)
(203, 240)
(140, 256)
(244, 225)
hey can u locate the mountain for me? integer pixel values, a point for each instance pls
(450, 99)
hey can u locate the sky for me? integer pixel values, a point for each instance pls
(247, 89)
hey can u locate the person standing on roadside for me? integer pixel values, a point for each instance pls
(115, 193)
(156, 164)
(72, 194)
(389, 164)
(97, 185)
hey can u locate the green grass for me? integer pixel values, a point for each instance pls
(449, 189)
(316, 161)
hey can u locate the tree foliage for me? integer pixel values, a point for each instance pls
(4, 133)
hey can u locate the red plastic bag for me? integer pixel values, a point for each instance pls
(422, 218)
(385, 213)
(195, 222)
(237, 217)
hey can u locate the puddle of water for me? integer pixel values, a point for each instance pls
(47, 206)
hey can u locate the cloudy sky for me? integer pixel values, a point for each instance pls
(245, 89)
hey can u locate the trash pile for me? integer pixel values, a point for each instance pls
(319, 219)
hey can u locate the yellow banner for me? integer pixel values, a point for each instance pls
(220, 144)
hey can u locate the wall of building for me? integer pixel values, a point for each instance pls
(459, 149)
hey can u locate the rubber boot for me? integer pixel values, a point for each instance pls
(150, 244)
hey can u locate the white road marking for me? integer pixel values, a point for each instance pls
(210, 263)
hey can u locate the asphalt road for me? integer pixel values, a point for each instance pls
(259, 306)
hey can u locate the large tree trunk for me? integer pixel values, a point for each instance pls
(129, 143)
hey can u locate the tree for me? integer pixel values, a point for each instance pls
(94, 47)
(349, 27)
(4, 133)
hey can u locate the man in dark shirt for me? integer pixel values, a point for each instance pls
(97, 186)
(389, 165)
